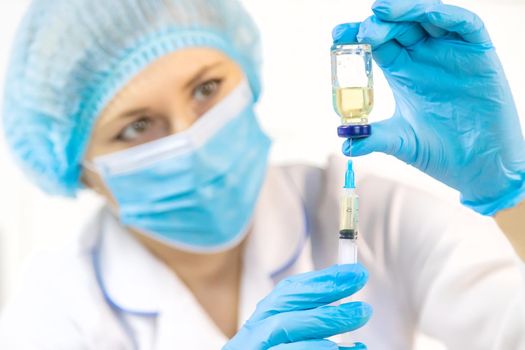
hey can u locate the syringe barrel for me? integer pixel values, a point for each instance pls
(347, 251)
(349, 219)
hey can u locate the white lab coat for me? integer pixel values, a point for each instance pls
(434, 267)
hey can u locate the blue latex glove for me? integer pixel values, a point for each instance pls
(296, 314)
(455, 117)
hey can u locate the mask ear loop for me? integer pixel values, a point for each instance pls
(88, 165)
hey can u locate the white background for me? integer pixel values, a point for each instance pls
(295, 110)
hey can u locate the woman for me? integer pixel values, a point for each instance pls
(150, 104)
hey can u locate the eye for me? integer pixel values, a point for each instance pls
(207, 90)
(135, 129)
(143, 130)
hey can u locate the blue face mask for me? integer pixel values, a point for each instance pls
(195, 190)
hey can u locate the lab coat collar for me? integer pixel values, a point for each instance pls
(134, 281)
(124, 270)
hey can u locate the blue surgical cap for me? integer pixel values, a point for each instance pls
(71, 57)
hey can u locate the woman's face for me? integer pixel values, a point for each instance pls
(165, 98)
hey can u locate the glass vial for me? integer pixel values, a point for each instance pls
(352, 81)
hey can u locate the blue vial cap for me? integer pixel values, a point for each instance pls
(354, 131)
(346, 33)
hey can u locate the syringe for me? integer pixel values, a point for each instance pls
(349, 219)
(348, 232)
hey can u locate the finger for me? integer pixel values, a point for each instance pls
(390, 40)
(356, 346)
(390, 136)
(403, 10)
(455, 19)
(445, 17)
(377, 32)
(398, 11)
(433, 30)
(321, 322)
(312, 289)
(346, 32)
(316, 344)
(389, 54)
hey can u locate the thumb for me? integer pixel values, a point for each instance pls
(388, 137)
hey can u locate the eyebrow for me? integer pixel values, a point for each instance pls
(198, 76)
(133, 112)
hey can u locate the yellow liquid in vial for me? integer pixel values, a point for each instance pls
(354, 104)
